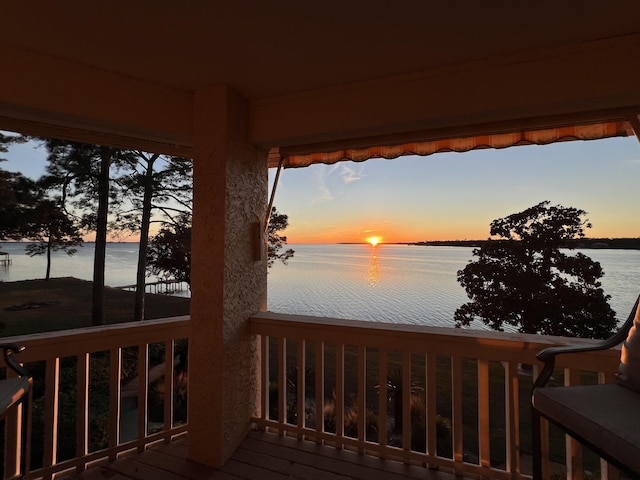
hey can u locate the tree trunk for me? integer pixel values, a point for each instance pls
(48, 274)
(138, 314)
(97, 312)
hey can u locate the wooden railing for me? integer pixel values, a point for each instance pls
(94, 389)
(452, 399)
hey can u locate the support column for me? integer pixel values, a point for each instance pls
(227, 284)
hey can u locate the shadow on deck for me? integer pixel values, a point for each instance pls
(263, 456)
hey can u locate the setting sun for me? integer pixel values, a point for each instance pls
(373, 241)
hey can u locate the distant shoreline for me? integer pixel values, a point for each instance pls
(583, 243)
(586, 243)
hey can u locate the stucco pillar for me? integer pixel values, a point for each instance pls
(227, 283)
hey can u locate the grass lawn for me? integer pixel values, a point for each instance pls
(33, 306)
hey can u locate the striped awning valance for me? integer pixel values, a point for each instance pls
(390, 147)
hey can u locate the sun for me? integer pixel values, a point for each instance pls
(373, 241)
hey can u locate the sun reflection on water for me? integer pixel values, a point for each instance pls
(373, 273)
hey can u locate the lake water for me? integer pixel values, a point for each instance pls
(406, 284)
(390, 283)
(121, 262)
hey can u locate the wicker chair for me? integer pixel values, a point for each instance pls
(603, 417)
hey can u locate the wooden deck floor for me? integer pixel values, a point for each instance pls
(262, 456)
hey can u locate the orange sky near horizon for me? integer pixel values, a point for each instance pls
(387, 234)
(360, 232)
(355, 234)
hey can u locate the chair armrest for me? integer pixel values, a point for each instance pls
(548, 355)
(8, 350)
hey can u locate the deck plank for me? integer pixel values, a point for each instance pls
(261, 456)
(94, 473)
(249, 471)
(134, 468)
(180, 466)
(288, 467)
(338, 461)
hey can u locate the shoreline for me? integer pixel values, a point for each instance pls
(578, 243)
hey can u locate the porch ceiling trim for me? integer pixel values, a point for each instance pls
(540, 131)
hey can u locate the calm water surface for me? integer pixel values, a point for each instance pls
(406, 284)
(121, 262)
(390, 283)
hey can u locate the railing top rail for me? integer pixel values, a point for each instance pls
(416, 338)
(46, 345)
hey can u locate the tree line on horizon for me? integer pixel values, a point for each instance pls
(587, 242)
(95, 188)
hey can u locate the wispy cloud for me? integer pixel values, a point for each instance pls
(333, 168)
(325, 178)
(324, 193)
(351, 174)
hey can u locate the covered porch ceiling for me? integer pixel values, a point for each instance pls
(331, 77)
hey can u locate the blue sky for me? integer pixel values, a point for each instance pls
(445, 196)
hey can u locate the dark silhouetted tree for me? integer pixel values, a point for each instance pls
(276, 242)
(522, 278)
(7, 139)
(170, 250)
(18, 196)
(170, 253)
(52, 230)
(153, 182)
(83, 174)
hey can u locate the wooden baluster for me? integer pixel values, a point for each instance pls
(339, 394)
(282, 384)
(143, 392)
(483, 414)
(430, 404)
(169, 391)
(512, 420)
(456, 423)
(319, 347)
(82, 408)
(362, 396)
(382, 399)
(115, 371)
(301, 387)
(52, 385)
(264, 380)
(406, 401)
